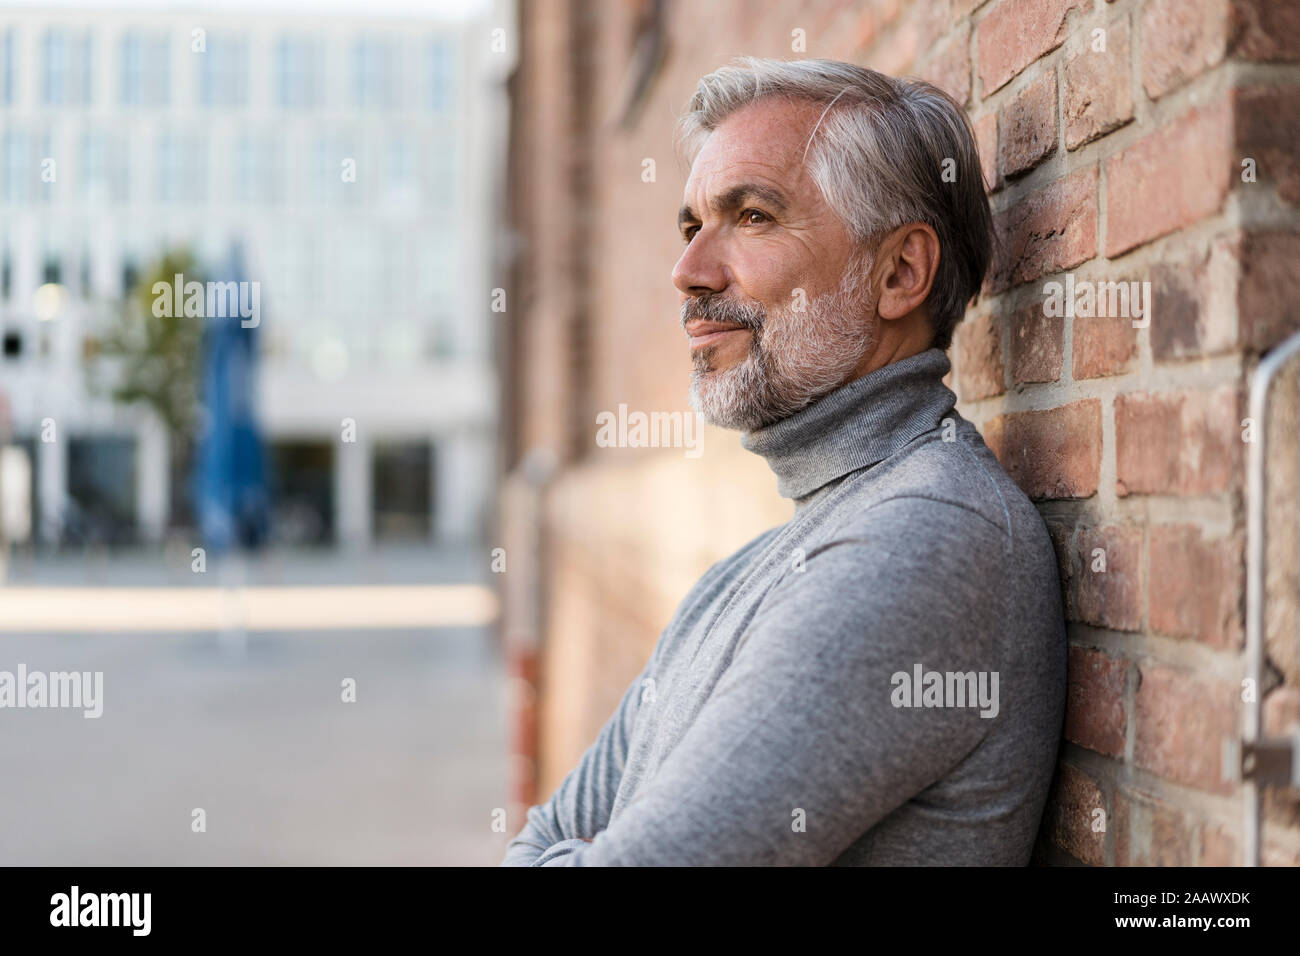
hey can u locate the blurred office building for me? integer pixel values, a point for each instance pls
(352, 159)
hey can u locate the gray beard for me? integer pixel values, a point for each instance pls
(794, 359)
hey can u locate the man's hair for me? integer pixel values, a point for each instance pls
(891, 151)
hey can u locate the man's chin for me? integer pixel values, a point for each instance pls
(711, 402)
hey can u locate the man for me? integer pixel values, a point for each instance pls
(880, 680)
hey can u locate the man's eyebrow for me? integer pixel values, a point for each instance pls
(734, 198)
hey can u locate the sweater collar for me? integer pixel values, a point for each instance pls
(857, 425)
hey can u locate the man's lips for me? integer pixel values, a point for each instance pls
(703, 332)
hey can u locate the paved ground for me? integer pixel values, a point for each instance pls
(252, 729)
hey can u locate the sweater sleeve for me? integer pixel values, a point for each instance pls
(806, 742)
(581, 805)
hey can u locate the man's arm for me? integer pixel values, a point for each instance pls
(800, 748)
(581, 804)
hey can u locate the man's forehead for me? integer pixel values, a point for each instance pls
(763, 142)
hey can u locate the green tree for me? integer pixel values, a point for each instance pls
(141, 357)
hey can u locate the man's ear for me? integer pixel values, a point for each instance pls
(906, 263)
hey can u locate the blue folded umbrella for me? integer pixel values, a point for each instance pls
(232, 495)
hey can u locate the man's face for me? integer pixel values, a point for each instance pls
(775, 292)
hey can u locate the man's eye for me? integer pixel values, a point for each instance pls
(689, 233)
(748, 217)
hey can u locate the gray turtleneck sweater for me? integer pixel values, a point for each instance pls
(878, 681)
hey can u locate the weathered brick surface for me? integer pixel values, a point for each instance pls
(1015, 33)
(1181, 723)
(1095, 715)
(1170, 179)
(1275, 854)
(1281, 718)
(1220, 846)
(1097, 97)
(1103, 345)
(1110, 577)
(986, 139)
(978, 344)
(1281, 711)
(1193, 292)
(1181, 39)
(1047, 231)
(1178, 443)
(1037, 345)
(949, 66)
(1196, 586)
(1149, 832)
(1076, 815)
(1269, 31)
(1061, 530)
(1267, 128)
(1268, 305)
(1054, 453)
(1028, 125)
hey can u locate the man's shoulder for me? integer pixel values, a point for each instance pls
(949, 476)
(718, 573)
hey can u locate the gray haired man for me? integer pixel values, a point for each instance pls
(880, 680)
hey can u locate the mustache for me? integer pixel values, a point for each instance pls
(717, 308)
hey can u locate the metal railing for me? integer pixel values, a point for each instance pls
(1260, 762)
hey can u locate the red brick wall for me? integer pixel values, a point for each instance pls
(1117, 165)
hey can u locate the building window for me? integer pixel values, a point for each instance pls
(171, 168)
(103, 173)
(94, 166)
(52, 271)
(247, 172)
(67, 65)
(440, 166)
(146, 69)
(101, 486)
(401, 161)
(16, 171)
(223, 71)
(87, 71)
(302, 489)
(130, 276)
(8, 67)
(438, 61)
(300, 272)
(56, 67)
(402, 497)
(182, 168)
(333, 158)
(402, 181)
(47, 185)
(297, 81)
(375, 66)
(257, 170)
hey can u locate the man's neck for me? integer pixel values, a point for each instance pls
(856, 425)
(899, 339)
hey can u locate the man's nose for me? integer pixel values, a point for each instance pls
(700, 269)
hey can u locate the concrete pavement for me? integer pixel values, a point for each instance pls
(251, 728)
